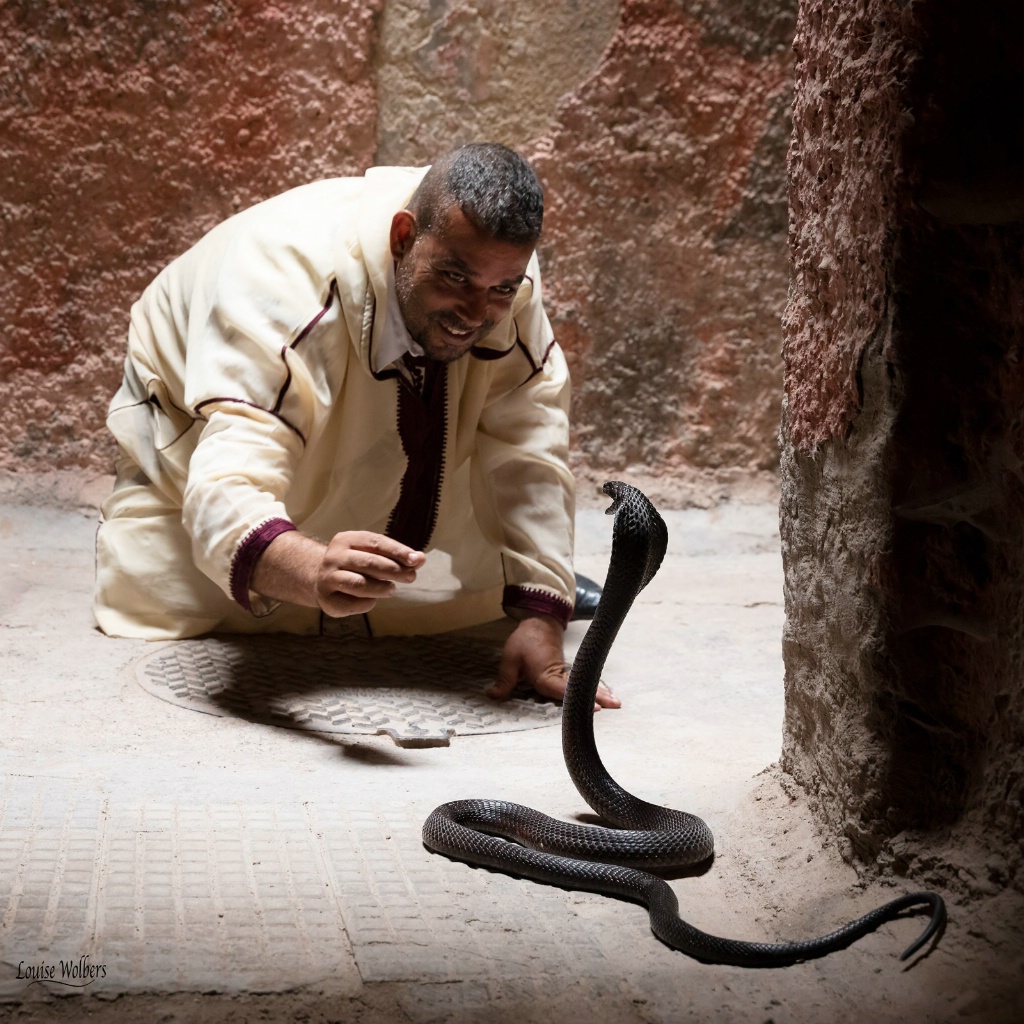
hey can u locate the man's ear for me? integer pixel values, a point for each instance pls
(403, 233)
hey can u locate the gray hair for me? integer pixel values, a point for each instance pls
(494, 186)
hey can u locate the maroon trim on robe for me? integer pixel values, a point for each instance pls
(486, 354)
(252, 405)
(537, 367)
(530, 600)
(423, 429)
(154, 400)
(248, 554)
(285, 386)
(332, 292)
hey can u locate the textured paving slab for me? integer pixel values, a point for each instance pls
(222, 870)
(258, 897)
(420, 691)
(162, 896)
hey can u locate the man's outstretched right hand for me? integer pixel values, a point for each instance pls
(359, 568)
(348, 576)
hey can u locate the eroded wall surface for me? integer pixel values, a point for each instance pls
(127, 130)
(456, 71)
(903, 441)
(659, 129)
(664, 244)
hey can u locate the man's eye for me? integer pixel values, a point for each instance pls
(505, 291)
(455, 277)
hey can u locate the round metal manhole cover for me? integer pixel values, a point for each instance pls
(419, 690)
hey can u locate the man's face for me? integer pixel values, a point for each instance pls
(454, 284)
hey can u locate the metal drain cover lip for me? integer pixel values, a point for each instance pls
(420, 691)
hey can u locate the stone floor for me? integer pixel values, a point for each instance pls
(157, 863)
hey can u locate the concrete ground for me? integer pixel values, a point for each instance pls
(186, 867)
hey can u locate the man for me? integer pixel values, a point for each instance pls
(326, 386)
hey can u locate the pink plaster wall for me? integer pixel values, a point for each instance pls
(126, 130)
(665, 244)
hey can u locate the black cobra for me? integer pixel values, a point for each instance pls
(645, 835)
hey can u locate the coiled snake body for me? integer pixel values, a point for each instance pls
(645, 835)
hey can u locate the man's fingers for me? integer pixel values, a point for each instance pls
(338, 605)
(508, 676)
(553, 684)
(369, 555)
(367, 564)
(552, 681)
(385, 547)
(356, 585)
(359, 568)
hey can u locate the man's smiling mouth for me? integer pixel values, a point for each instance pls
(458, 332)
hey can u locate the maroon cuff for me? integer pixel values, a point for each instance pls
(530, 600)
(248, 554)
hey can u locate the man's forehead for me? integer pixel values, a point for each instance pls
(459, 244)
(454, 227)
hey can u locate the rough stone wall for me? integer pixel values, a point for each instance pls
(127, 129)
(455, 71)
(903, 476)
(664, 249)
(661, 147)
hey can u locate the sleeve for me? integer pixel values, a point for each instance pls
(523, 490)
(266, 353)
(234, 500)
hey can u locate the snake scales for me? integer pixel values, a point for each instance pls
(645, 835)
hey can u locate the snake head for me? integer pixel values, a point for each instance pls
(637, 519)
(616, 490)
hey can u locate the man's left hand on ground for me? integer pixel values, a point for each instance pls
(533, 654)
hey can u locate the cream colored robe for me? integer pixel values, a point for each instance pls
(249, 404)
